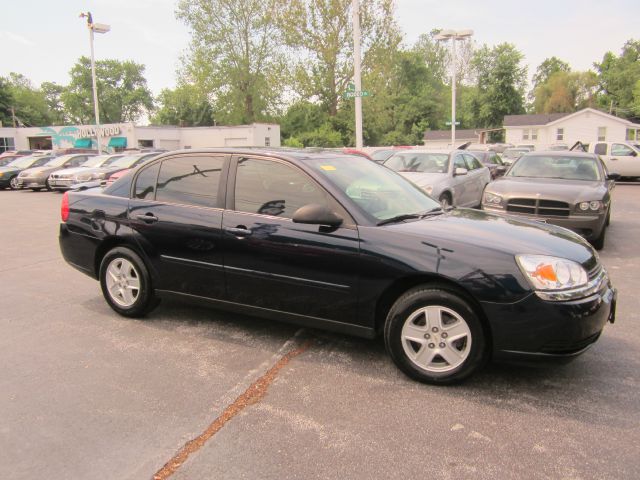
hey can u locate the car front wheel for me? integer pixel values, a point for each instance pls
(126, 284)
(13, 183)
(434, 336)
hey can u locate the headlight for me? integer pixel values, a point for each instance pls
(428, 189)
(492, 199)
(593, 206)
(550, 276)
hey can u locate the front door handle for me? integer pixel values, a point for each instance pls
(147, 217)
(239, 231)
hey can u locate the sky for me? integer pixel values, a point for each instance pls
(43, 39)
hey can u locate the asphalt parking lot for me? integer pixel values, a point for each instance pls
(88, 394)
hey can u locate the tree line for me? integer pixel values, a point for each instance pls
(290, 62)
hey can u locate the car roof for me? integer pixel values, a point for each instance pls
(560, 153)
(276, 152)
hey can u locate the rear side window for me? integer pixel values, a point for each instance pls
(621, 150)
(601, 149)
(146, 182)
(190, 180)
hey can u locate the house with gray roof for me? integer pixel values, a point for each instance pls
(587, 126)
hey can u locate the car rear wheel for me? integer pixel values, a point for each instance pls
(13, 183)
(126, 284)
(434, 336)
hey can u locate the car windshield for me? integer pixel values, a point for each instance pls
(125, 162)
(96, 161)
(58, 161)
(6, 161)
(112, 159)
(419, 162)
(381, 155)
(376, 190)
(552, 166)
(26, 162)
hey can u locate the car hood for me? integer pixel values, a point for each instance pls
(480, 231)
(73, 171)
(40, 170)
(570, 191)
(422, 179)
(9, 169)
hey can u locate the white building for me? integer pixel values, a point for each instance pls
(587, 126)
(128, 135)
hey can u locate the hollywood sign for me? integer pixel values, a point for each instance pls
(84, 132)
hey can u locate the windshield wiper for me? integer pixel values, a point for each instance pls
(409, 216)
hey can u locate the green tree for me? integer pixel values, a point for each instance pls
(123, 95)
(6, 101)
(548, 67)
(565, 92)
(235, 56)
(29, 102)
(501, 80)
(320, 33)
(618, 77)
(185, 106)
(53, 96)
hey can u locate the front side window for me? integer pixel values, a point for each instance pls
(190, 180)
(472, 162)
(560, 134)
(460, 163)
(272, 188)
(621, 150)
(602, 134)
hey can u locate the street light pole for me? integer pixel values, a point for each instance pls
(100, 28)
(357, 76)
(454, 36)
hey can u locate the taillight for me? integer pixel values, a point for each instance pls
(64, 208)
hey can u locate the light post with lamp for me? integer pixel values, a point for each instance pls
(453, 35)
(99, 28)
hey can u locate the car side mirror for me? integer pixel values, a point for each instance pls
(613, 176)
(460, 171)
(315, 214)
(501, 168)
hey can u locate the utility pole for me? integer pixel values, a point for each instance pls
(13, 116)
(357, 76)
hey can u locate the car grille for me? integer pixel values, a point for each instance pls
(536, 206)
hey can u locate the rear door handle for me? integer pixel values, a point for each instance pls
(239, 231)
(147, 217)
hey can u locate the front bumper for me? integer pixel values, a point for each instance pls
(588, 226)
(61, 183)
(32, 182)
(534, 330)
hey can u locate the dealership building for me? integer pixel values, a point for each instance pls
(120, 136)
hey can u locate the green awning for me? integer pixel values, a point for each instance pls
(82, 143)
(118, 142)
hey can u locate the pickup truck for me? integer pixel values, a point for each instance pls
(622, 158)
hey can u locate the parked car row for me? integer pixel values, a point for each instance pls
(46, 170)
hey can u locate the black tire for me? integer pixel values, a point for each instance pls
(608, 220)
(145, 299)
(439, 372)
(598, 243)
(36, 189)
(445, 200)
(13, 183)
(47, 185)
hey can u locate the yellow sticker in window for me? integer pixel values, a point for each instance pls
(327, 167)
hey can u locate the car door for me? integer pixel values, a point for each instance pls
(176, 212)
(462, 185)
(275, 264)
(481, 176)
(624, 160)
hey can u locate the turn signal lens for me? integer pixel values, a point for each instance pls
(552, 273)
(64, 208)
